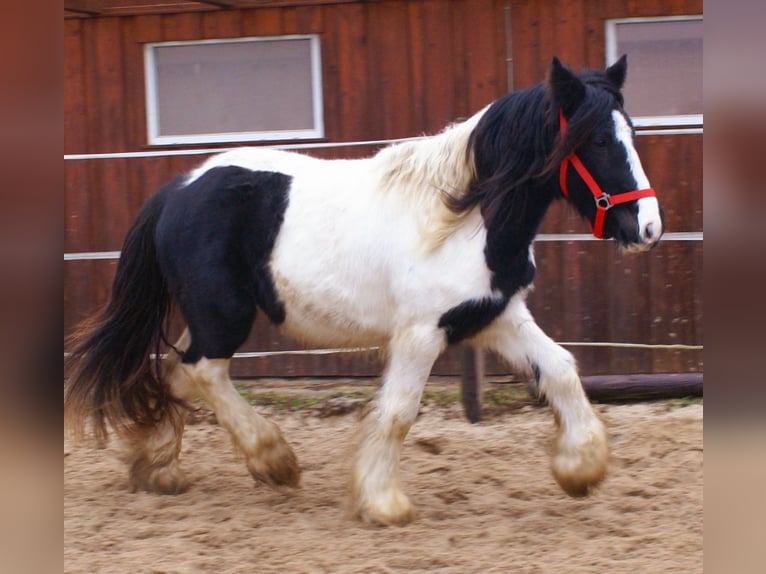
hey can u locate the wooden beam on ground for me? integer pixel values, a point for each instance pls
(628, 388)
(472, 374)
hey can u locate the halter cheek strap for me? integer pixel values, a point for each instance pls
(604, 201)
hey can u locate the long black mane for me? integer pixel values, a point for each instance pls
(516, 146)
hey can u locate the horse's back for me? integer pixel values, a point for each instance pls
(258, 159)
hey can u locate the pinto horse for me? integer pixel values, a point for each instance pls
(425, 244)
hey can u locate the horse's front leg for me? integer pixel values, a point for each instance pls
(580, 449)
(377, 491)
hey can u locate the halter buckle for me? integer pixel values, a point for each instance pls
(603, 202)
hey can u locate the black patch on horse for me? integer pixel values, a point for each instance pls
(535, 368)
(214, 243)
(517, 149)
(470, 317)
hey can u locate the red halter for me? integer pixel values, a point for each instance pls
(604, 201)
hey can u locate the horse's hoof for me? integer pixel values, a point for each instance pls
(168, 479)
(276, 466)
(579, 468)
(391, 509)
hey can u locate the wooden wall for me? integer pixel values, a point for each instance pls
(393, 69)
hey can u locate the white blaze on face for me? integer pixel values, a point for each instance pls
(649, 221)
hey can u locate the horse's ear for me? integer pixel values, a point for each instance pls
(567, 90)
(616, 72)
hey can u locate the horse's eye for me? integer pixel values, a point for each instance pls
(600, 141)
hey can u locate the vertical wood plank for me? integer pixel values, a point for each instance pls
(595, 36)
(503, 48)
(438, 77)
(262, 22)
(105, 105)
(525, 22)
(290, 20)
(388, 62)
(569, 38)
(109, 209)
(220, 24)
(417, 66)
(647, 8)
(461, 28)
(75, 140)
(547, 30)
(481, 42)
(354, 115)
(308, 20)
(472, 368)
(181, 27)
(134, 104)
(331, 74)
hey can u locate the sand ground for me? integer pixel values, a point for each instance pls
(484, 493)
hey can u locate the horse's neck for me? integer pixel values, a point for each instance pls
(439, 163)
(423, 172)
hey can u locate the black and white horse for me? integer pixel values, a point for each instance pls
(426, 244)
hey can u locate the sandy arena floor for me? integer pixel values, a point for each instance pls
(486, 500)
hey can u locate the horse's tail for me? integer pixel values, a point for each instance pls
(110, 377)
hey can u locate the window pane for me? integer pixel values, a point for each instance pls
(229, 87)
(664, 66)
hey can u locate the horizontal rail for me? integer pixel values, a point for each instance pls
(315, 145)
(674, 236)
(341, 350)
(670, 346)
(677, 236)
(668, 132)
(203, 151)
(658, 346)
(91, 255)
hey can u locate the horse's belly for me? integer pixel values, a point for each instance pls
(330, 316)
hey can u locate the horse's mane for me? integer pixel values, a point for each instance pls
(516, 144)
(492, 159)
(428, 171)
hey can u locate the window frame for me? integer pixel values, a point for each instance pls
(152, 104)
(688, 120)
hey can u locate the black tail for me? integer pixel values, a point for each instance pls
(111, 377)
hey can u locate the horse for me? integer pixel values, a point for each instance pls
(425, 244)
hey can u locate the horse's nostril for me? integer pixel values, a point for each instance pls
(648, 231)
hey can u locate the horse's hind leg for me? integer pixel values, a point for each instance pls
(580, 449)
(377, 491)
(152, 455)
(268, 456)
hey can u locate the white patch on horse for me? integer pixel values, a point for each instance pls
(268, 456)
(349, 263)
(424, 171)
(649, 220)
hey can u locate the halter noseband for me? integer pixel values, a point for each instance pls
(604, 201)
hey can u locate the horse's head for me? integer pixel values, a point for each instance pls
(598, 169)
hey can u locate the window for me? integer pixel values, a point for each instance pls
(664, 85)
(244, 89)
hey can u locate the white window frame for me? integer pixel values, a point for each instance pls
(152, 111)
(612, 56)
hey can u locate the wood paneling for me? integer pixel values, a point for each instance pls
(394, 68)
